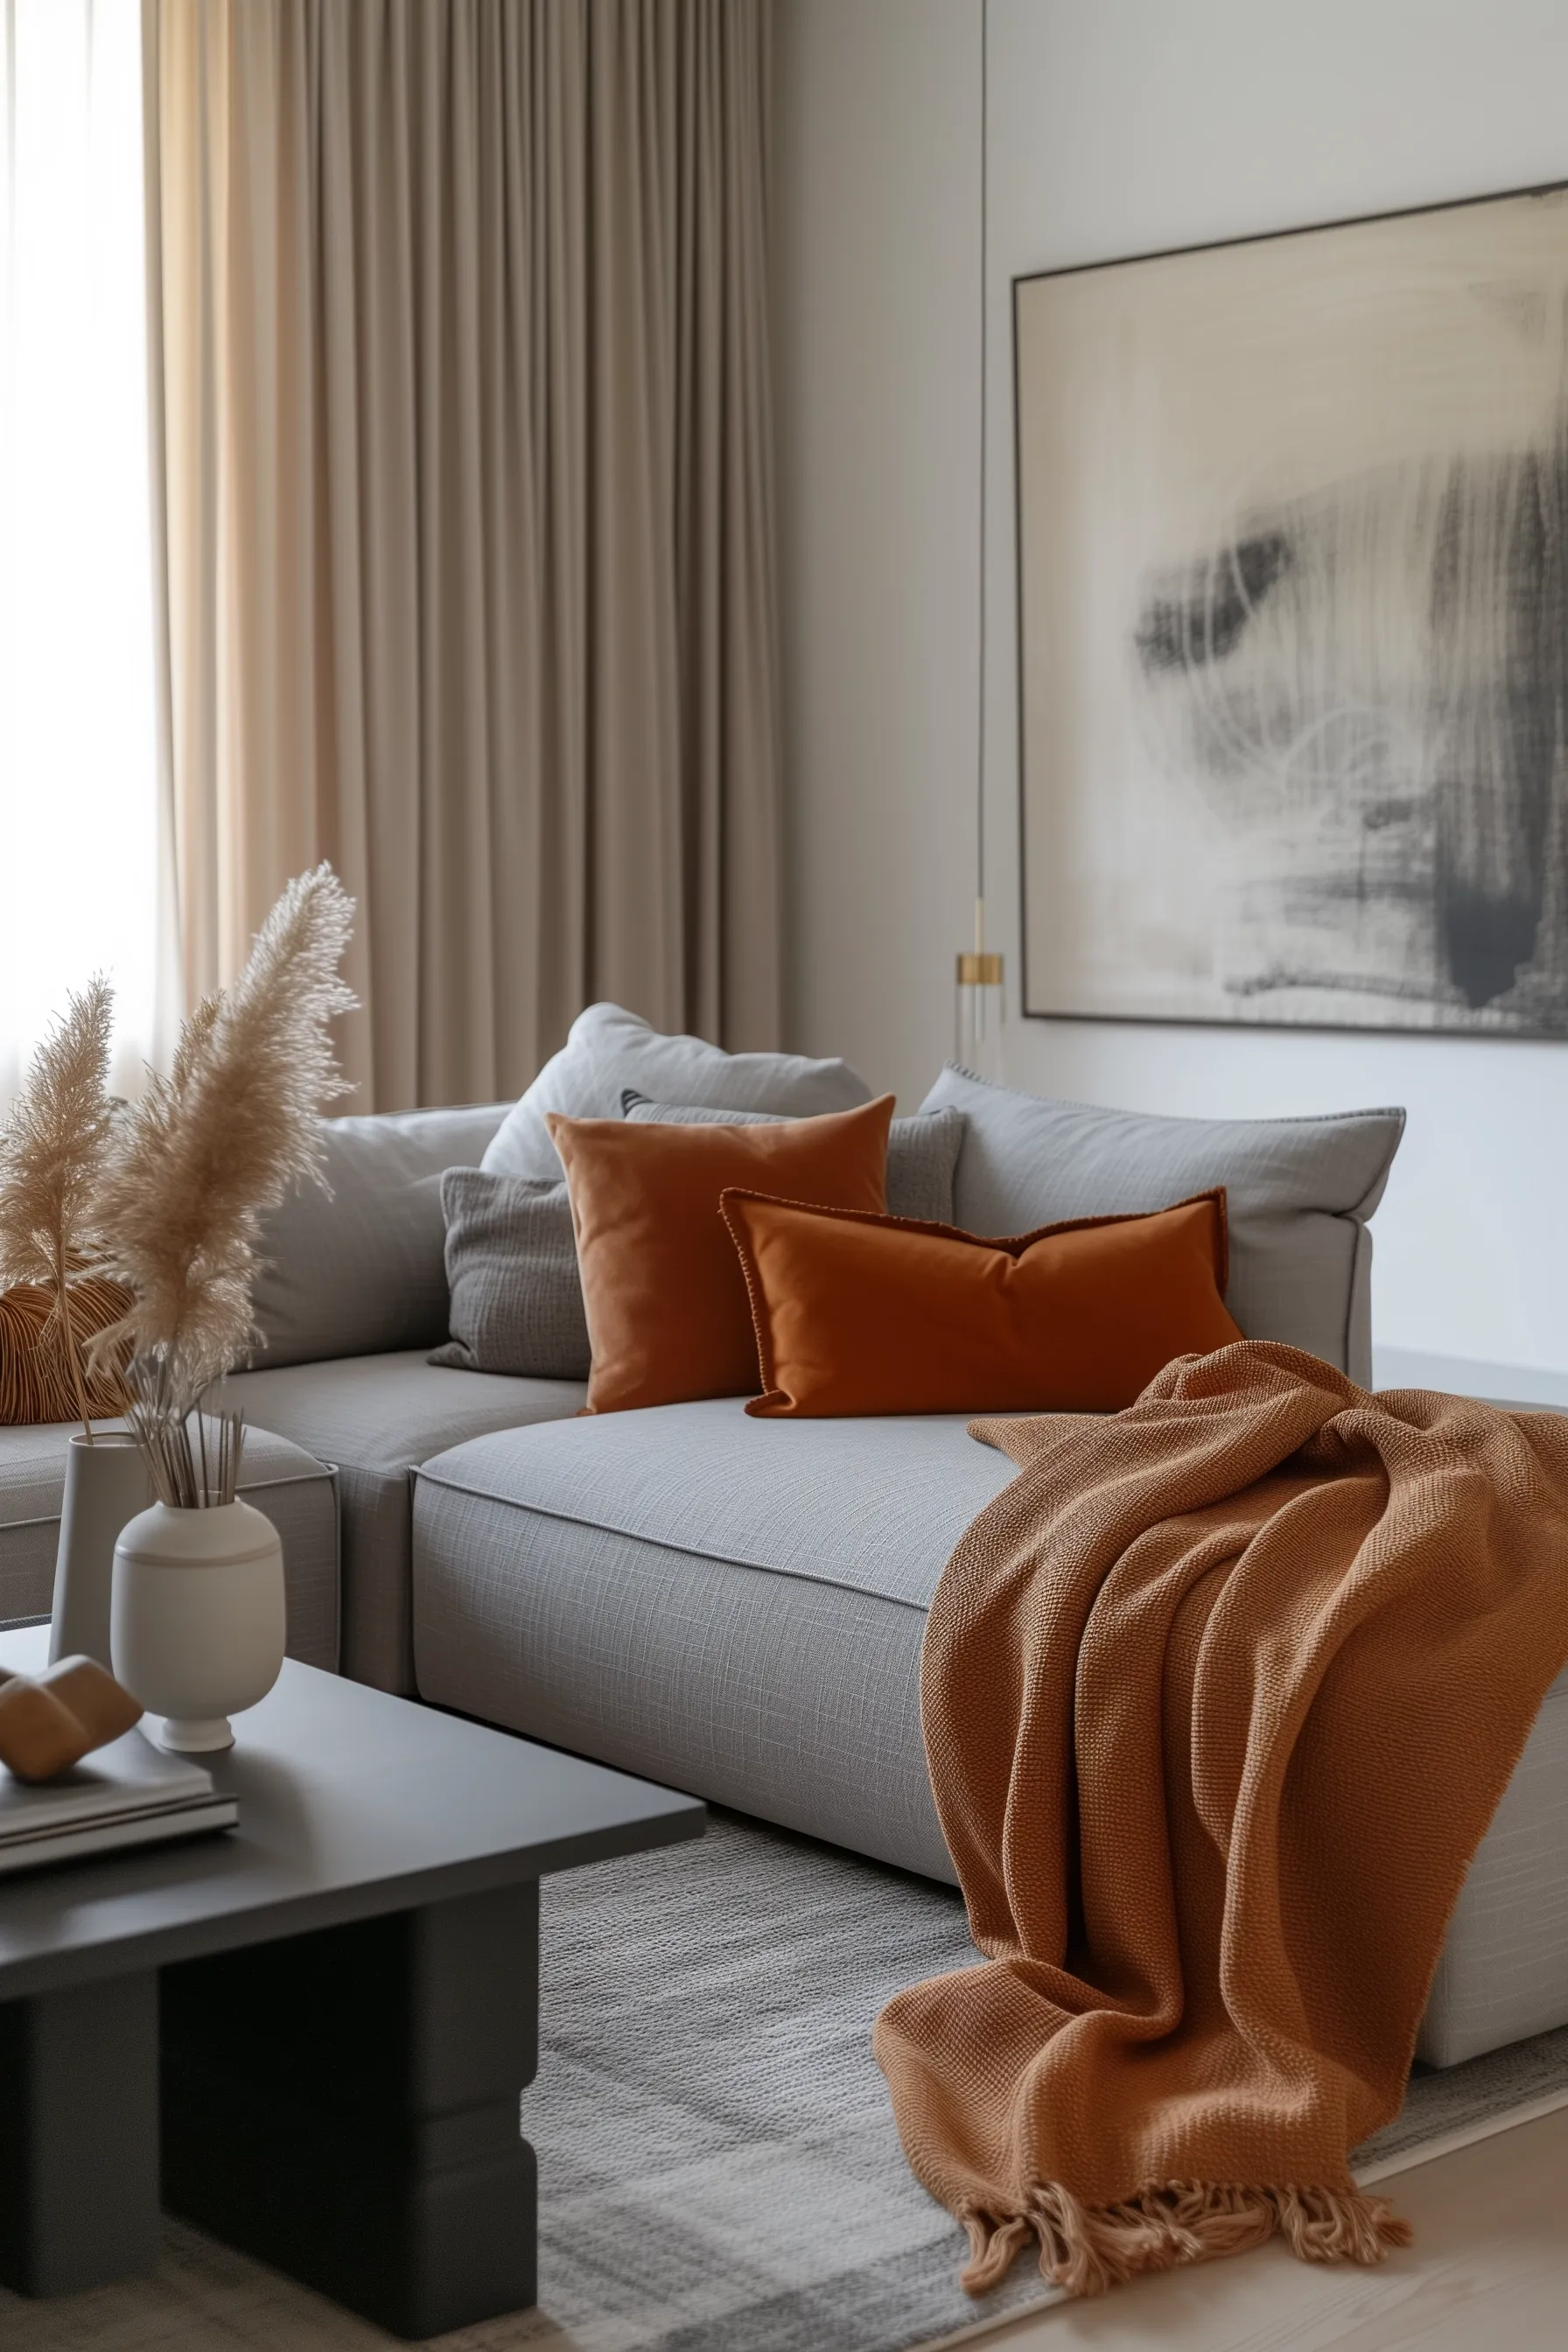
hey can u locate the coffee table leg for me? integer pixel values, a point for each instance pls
(78, 2136)
(344, 2105)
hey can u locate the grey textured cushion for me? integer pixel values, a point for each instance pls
(922, 1151)
(733, 1606)
(1299, 1194)
(1504, 1970)
(511, 1267)
(736, 1607)
(609, 1048)
(364, 1271)
(375, 1417)
(296, 1491)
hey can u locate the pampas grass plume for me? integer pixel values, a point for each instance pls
(51, 1154)
(196, 1161)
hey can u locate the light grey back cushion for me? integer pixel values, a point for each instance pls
(364, 1272)
(922, 1151)
(609, 1048)
(1299, 1192)
(511, 1267)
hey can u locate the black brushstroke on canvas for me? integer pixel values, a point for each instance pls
(1370, 687)
(1202, 627)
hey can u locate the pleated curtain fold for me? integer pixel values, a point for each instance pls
(462, 463)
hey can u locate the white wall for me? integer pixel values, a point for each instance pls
(1116, 127)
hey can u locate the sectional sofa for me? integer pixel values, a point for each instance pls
(735, 1606)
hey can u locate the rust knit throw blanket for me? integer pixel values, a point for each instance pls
(1220, 1696)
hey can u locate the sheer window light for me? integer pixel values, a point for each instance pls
(79, 772)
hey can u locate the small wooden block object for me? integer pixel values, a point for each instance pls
(48, 1725)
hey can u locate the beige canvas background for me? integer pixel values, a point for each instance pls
(1162, 403)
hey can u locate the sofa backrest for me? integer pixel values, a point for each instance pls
(1299, 1192)
(363, 1272)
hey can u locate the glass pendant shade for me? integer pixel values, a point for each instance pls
(977, 1005)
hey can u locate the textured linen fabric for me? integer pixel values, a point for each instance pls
(374, 1418)
(922, 1151)
(1219, 1697)
(511, 1267)
(736, 1607)
(361, 1270)
(295, 1490)
(610, 1050)
(859, 1314)
(730, 1606)
(1299, 1192)
(463, 508)
(1504, 1972)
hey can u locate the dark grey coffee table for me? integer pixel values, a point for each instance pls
(334, 2006)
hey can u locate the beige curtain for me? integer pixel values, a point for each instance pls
(459, 314)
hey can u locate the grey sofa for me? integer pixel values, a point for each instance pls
(736, 1606)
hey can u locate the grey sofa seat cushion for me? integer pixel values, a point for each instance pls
(1503, 1974)
(363, 1272)
(922, 1151)
(736, 1607)
(375, 1417)
(295, 1489)
(679, 1592)
(1299, 1192)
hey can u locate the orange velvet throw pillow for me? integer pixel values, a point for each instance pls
(667, 1311)
(860, 1314)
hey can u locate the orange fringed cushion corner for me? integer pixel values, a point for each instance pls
(667, 1311)
(35, 1383)
(860, 1314)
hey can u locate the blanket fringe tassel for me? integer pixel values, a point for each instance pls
(1086, 2249)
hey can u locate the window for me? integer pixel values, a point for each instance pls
(79, 860)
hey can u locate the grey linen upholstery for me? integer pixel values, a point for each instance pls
(733, 1606)
(608, 1049)
(363, 1271)
(736, 1607)
(1299, 1194)
(1504, 1969)
(922, 1151)
(295, 1490)
(511, 1267)
(375, 1417)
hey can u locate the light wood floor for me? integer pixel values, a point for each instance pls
(1488, 2272)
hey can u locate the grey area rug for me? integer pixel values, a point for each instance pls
(718, 2164)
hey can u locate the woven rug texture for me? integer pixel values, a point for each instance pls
(719, 2170)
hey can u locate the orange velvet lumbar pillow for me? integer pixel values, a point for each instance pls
(859, 1314)
(668, 1312)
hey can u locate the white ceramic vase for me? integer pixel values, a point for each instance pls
(198, 1628)
(106, 1484)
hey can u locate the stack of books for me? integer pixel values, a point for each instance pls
(128, 1793)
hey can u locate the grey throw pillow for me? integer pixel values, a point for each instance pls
(512, 1266)
(359, 1271)
(609, 1048)
(1299, 1194)
(922, 1151)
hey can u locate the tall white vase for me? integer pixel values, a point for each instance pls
(106, 1484)
(198, 1618)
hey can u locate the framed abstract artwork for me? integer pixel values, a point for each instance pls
(1293, 627)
